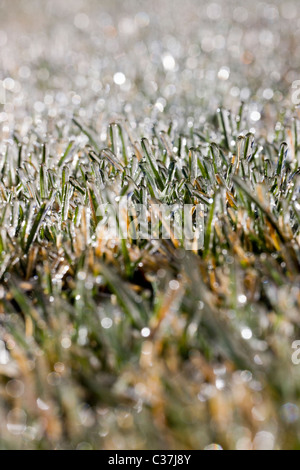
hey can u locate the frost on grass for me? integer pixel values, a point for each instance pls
(142, 344)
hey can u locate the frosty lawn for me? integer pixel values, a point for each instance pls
(141, 343)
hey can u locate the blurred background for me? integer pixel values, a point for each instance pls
(172, 57)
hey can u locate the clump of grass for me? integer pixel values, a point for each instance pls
(139, 343)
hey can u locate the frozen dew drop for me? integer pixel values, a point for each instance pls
(84, 446)
(159, 106)
(213, 447)
(81, 21)
(169, 62)
(66, 342)
(214, 11)
(142, 19)
(174, 285)
(255, 116)
(3, 38)
(268, 94)
(16, 421)
(224, 73)
(240, 14)
(264, 441)
(9, 83)
(242, 299)
(82, 276)
(220, 384)
(119, 78)
(146, 332)
(4, 356)
(15, 388)
(290, 413)
(106, 323)
(246, 333)
(42, 405)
